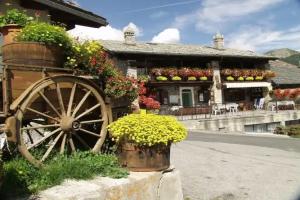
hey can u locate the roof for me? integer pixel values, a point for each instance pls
(177, 50)
(286, 74)
(79, 15)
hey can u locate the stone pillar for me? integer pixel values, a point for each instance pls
(217, 85)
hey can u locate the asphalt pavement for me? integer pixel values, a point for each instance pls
(234, 167)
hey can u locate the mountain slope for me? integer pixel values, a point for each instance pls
(293, 59)
(282, 53)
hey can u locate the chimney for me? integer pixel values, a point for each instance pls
(218, 41)
(129, 36)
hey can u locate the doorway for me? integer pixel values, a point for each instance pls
(187, 97)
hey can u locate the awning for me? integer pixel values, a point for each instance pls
(247, 84)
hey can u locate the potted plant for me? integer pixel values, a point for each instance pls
(203, 78)
(259, 78)
(39, 44)
(11, 23)
(249, 78)
(144, 140)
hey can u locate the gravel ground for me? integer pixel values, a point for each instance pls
(220, 171)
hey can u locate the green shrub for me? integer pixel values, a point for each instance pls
(293, 131)
(46, 33)
(147, 129)
(14, 16)
(241, 78)
(259, 78)
(22, 178)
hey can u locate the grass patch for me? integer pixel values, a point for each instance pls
(22, 179)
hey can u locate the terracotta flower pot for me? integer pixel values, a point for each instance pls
(32, 53)
(9, 33)
(144, 159)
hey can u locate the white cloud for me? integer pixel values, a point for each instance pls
(215, 15)
(169, 35)
(261, 39)
(104, 33)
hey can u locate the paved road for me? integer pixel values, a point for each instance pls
(232, 167)
(277, 142)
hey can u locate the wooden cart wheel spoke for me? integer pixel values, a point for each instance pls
(40, 127)
(36, 130)
(89, 132)
(52, 146)
(29, 136)
(71, 99)
(49, 103)
(42, 114)
(62, 125)
(63, 144)
(81, 140)
(88, 111)
(92, 121)
(43, 139)
(81, 103)
(60, 99)
(71, 142)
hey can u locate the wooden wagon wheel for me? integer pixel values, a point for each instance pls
(62, 114)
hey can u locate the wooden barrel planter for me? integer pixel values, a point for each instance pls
(9, 33)
(32, 53)
(144, 159)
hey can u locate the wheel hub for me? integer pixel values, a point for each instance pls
(69, 123)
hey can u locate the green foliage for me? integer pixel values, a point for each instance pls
(176, 78)
(22, 178)
(147, 129)
(47, 34)
(161, 78)
(293, 131)
(14, 16)
(241, 78)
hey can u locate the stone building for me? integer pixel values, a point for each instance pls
(139, 58)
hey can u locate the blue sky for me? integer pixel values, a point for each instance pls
(257, 25)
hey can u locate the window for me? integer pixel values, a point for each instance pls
(232, 95)
(203, 96)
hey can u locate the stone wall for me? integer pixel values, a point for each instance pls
(138, 186)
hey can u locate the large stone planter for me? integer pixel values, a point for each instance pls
(9, 33)
(33, 54)
(144, 159)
